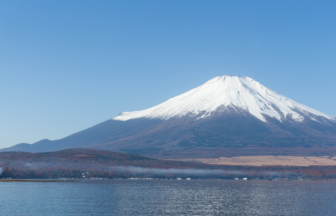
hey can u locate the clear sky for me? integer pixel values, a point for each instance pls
(68, 65)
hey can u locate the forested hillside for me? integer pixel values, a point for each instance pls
(76, 163)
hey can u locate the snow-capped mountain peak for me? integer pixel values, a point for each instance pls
(218, 118)
(220, 93)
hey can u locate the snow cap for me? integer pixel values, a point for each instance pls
(219, 93)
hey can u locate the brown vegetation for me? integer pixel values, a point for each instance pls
(270, 160)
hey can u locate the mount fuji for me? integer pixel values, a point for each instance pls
(226, 116)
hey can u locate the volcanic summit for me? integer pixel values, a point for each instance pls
(226, 116)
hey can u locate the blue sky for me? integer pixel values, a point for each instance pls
(68, 65)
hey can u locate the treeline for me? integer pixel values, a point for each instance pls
(73, 163)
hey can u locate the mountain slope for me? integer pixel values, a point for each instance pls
(228, 91)
(228, 115)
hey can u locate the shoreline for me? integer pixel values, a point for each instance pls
(35, 180)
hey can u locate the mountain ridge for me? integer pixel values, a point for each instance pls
(225, 113)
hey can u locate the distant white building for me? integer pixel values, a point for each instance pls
(245, 179)
(188, 178)
(179, 178)
(236, 178)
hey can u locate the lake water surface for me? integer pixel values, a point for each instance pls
(163, 197)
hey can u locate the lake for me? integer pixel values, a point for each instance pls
(168, 197)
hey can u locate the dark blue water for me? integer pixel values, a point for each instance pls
(158, 197)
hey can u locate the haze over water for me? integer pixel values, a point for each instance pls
(158, 197)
